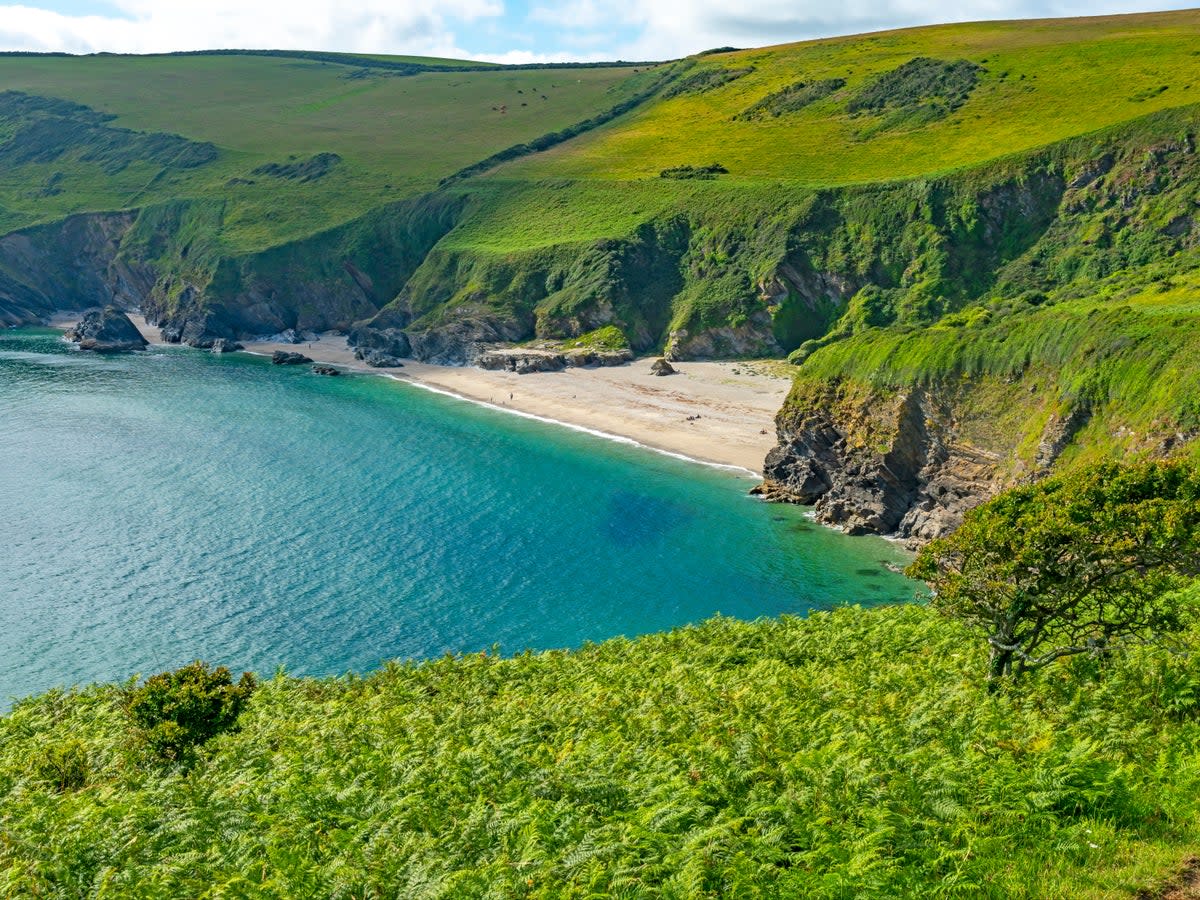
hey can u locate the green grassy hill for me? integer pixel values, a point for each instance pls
(853, 754)
(1037, 83)
(396, 135)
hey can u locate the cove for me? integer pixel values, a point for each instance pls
(174, 505)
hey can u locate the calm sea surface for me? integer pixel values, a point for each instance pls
(174, 505)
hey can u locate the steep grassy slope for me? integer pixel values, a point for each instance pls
(396, 135)
(852, 754)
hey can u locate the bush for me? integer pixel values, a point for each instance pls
(180, 710)
(792, 98)
(64, 766)
(703, 173)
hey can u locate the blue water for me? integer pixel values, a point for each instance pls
(174, 505)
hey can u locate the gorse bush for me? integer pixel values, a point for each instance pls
(792, 98)
(852, 754)
(177, 711)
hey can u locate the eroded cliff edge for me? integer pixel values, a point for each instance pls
(1084, 346)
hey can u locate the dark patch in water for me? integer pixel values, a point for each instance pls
(869, 573)
(635, 519)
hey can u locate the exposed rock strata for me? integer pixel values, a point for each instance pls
(377, 359)
(894, 465)
(524, 360)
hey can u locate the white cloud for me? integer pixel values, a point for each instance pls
(553, 31)
(149, 26)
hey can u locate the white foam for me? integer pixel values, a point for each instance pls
(583, 429)
(595, 432)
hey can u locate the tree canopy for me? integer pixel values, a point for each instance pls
(1073, 564)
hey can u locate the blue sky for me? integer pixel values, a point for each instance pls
(501, 30)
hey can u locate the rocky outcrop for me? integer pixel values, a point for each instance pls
(326, 370)
(377, 359)
(753, 338)
(524, 360)
(662, 367)
(880, 465)
(107, 330)
(284, 358)
(223, 345)
(521, 361)
(460, 341)
(390, 341)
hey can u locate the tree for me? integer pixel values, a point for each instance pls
(1073, 564)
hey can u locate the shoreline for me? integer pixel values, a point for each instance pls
(718, 414)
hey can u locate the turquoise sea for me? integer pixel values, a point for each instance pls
(174, 505)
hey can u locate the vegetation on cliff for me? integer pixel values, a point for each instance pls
(852, 754)
(557, 174)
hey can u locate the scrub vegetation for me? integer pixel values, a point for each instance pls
(856, 753)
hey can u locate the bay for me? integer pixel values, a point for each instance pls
(175, 505)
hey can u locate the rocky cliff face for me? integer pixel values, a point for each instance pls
(69, 265)
(901, 463)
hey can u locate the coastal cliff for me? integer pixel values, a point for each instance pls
(1083, 348)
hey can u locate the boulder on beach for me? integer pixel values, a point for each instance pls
(378, 359)
(325, 370)
(224, 345)
(284, 358)
(107, 330)
(662, 367)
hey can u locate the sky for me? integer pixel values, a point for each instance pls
(511, 31)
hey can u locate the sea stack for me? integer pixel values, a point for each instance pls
(107, 330)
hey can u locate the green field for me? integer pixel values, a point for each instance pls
(1043, 82)
(397, 135)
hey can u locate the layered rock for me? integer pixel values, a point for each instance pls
(377, 359)
(107, 330)
(892, 465)
(524, 360)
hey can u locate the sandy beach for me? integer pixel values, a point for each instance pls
(716, 412)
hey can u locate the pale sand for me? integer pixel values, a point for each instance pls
(736, 401)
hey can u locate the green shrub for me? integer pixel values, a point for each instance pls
(792, 98)
(704, 173)
(705, 80)
(177, 711)
(64, 766)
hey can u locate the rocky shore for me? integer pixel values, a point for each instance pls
(107, 330)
